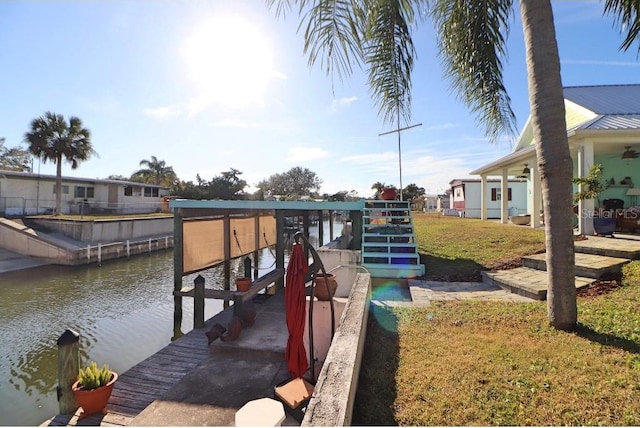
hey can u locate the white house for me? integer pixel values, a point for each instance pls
(465, 197)
(603, 126)
(25, 193)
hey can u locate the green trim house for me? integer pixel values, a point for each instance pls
(603, 126)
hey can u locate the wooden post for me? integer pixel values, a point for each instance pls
(226, 266)
(320, 228)
(68, 367)
(177, 274)
(198, 302)
(331, 214)
(247, 267)
(279, 247)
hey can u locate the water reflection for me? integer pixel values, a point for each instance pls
(123, 312)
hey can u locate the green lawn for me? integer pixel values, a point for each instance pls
(483, 363)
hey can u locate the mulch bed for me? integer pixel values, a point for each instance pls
(603, 285)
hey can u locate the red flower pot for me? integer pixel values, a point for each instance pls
(243, 283)
(389, 194)
(93, 400)
(326, 286)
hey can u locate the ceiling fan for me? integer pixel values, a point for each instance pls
(629, 153)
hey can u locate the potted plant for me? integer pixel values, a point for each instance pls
(384, 191)
(593, 186)
(93, 388)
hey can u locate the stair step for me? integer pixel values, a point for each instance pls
(526, 281)
(369, 244)
(587, 265)
(611, 247)
(394, 271)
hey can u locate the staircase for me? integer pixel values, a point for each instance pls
(594, 258)
(388, 240)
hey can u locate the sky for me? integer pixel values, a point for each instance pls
(208, 86)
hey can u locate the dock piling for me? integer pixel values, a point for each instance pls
(198, 302)
(68, 367)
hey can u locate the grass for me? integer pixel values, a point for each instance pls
(496, 363)
(454, 247)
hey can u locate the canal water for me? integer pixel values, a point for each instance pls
(123, 311)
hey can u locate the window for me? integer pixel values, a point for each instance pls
(147, 192)
(83, 192)
(496, 194)
(65, 189)
(128, 190)
(155, 192)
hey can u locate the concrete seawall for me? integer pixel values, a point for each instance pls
(109, 239)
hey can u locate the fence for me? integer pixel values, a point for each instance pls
(17, 206)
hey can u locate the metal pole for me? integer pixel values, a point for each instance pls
(398, 130)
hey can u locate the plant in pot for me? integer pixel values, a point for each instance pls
(593, 186)
(93, 388)
(384, 191)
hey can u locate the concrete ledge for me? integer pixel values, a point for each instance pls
(334, 395)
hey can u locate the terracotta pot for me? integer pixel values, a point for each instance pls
(243, 283)
(322, 281)
(389, 194)
(93, 400)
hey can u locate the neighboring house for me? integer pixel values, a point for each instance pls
(466, 194)
(25, 193)
(603, 126)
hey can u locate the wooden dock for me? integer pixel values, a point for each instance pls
(145, 382)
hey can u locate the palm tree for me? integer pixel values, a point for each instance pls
(377, 33)
(156, 172)
(52, 138)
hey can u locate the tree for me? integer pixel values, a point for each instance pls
(14, 159)
(156, 172)
(292, 184)
(412, 191)
(471, 39)
(118, 177)
(52, 138)
(227, 186)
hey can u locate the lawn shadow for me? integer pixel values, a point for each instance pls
(608, 339)
(376, 393)
(444, 269)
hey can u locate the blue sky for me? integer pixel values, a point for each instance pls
(212, 85)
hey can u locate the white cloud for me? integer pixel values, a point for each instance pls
(162, 112)
(341, 103)
(232, 123)
(597, 62)
(301, 154)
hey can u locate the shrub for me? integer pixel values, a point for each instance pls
(92, 377)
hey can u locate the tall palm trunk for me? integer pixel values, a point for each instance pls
(553, 157)
(58, 184)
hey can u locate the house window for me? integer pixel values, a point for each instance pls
(83, 192)
(128, 190)
(147, 192)
(458, 192)
(65, 189)
(155, 192)
(496, 194)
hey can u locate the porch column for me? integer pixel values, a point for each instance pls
(536, 195)
(586, 207)
(483, 197)
(504, 197)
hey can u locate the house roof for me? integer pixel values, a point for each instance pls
(607, 99)
(33, 176)
(589, 108)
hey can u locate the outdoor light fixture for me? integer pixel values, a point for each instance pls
(526, 169)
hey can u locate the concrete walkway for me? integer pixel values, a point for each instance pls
(10, 261)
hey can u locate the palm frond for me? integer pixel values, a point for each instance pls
(332, 36)
(389, 53)
(627, 12)
(471, 39)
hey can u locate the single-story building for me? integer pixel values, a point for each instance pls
(466, 194)
(603, 126)
(26, 193)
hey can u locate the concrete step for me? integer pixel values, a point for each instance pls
(587, 265)
(526, 281)
(625, 246)
(384, 270)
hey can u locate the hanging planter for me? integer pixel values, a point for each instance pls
(326, 286)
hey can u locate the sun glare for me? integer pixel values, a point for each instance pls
(230, 61)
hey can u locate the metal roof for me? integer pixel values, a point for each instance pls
(606, 99)
(631, 121)
(34, 176)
